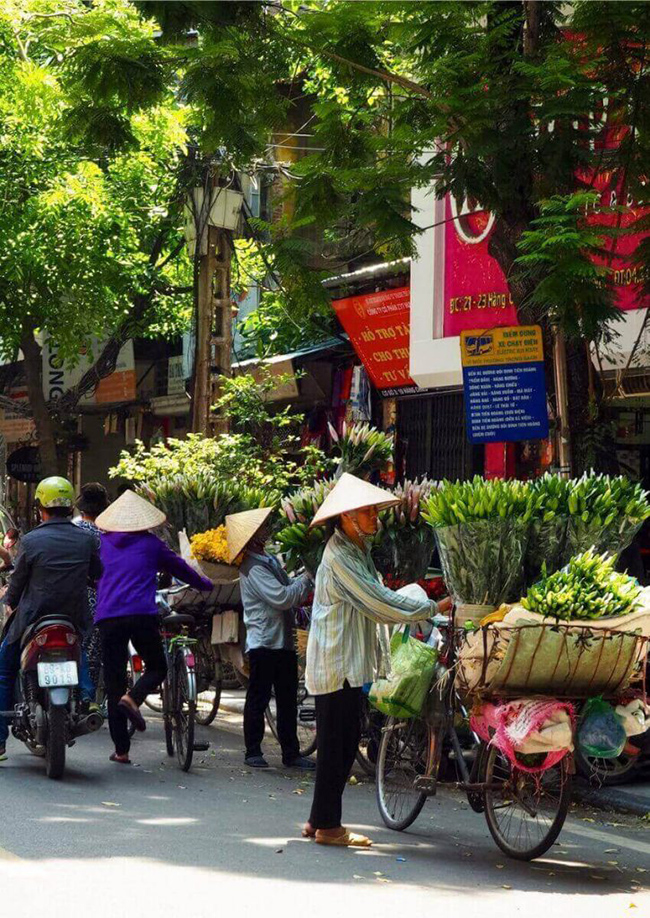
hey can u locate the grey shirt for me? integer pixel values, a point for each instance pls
(51, 575)
(268, 597)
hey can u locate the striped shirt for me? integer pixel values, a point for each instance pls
(349, 603)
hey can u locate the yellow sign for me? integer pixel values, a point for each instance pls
(508, 344)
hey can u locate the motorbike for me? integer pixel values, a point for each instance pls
(48, 716)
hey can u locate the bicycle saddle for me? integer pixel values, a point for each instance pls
(177, 619)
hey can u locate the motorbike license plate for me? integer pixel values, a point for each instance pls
(57, 675)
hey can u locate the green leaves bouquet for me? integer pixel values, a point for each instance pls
(588, 587)
(198, 502)
(482, 530)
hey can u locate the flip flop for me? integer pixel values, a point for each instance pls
(120, 759)
(347, 840)
(134, 715)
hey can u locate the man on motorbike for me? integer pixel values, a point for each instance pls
(55, 563)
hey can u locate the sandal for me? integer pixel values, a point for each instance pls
(132, 711)
(308, 833)
(346, 840)
(120, 759)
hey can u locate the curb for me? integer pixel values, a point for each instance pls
(613, 798)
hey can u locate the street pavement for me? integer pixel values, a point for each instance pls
(150, 840)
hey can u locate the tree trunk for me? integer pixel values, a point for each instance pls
(45, 427)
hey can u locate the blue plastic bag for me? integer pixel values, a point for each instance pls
(601, 733)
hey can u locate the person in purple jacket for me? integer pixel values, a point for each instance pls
(126, 610)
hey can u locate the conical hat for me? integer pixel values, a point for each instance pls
(130, 513)
(352, 493)
(241, 527)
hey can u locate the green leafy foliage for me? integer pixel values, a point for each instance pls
(87, 227)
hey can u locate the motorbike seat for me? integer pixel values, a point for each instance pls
(177, 620)
(45, 622)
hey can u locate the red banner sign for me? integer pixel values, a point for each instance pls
(378, 325)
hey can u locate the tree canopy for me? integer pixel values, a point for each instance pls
(92, 230)
(536, 112)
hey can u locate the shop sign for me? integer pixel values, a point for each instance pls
(505, 387)
(58, 378)
(14, 426)
(378, 325)
(475, 288)
(175, 376)
(24, 464)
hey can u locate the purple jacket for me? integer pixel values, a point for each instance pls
(131, 561)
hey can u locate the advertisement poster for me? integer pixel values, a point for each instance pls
(378, 325)
(504, 383)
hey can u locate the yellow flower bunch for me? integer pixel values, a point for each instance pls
(211, 546)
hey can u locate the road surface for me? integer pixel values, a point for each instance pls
(150, 840)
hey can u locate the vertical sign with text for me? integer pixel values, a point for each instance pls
(505, 388)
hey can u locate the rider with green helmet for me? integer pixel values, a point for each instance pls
(51, 574)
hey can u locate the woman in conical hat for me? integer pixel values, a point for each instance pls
(347, 643)
(269, 597)
(132, 556)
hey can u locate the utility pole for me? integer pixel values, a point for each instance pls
(202, 347)
(215, 215)
(221, 341)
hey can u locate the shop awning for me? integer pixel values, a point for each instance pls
(285, 365)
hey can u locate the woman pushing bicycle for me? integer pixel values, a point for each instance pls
(132, 556)
(346, 649)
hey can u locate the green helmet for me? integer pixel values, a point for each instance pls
(54, 492)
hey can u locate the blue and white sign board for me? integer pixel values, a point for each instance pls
(505, 388)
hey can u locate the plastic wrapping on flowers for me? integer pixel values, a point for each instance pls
(404, 544)
(482, 561)
(198, 503)
(495, 537)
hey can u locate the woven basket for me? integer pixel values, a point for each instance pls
(524, 656)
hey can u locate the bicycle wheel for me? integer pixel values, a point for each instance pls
(168, 721)
(306, 722)
(606, 772)
(372, 722)
(229, 678)
(406, 753)
(184, 713)
(209, 681)
(525, 812)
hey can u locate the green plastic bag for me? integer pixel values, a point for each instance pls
(404, 692)
(600, 733)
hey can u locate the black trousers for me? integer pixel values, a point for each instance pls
(142, 631)
(338, 726)
(272, 671)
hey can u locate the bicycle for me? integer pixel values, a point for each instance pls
(179, 689)
(209, 665)
(372, 723)
(524, 812)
